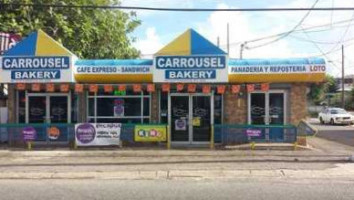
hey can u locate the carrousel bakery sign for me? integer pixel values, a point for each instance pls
(35, 69)
(190, 58)
(191, 68)
(37, 58)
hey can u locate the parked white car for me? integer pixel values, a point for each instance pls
(335, 116)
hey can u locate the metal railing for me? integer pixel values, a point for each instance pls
(58, 133)
(61, 133)
(223, 134)
(231, 134)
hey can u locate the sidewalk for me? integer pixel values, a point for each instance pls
(137, 163)
(343, 171)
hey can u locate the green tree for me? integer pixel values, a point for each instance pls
(318, 92)
(88, 33)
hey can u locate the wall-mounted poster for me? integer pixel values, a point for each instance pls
(97, 134)
(118, 108)
(180, 124)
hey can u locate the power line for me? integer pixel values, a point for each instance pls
(278, 34)
(307, 28)
(345, 33)
(289, 32)
(115, 7)
(318, 42)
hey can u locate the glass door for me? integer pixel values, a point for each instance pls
(58, 109)
(257, 110)
(276, 108)
(47, 108)
(58, 113)
(201, 118)
(267, 108)
(37, 109)
(36, 112)
(191, 118)
(179, 118)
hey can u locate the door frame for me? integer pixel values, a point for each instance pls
(47, 96)
(267, 116)
(190, 116)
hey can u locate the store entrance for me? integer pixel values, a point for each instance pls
(48, 108)
(191, 118)
(267, 108)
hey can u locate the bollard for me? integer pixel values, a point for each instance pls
(212, 142)
(295, 146)
(29, 146)
(168, 137)
(253, 145)
(75, 145)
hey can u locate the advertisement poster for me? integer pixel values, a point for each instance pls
(196, 121)
(29, 134)
(253, 132)
(53, 133)
(118, 108)
(97, 134)
(180, 124)
(150, 133)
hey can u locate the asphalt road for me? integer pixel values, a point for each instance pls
(244, 189)
(343, 134)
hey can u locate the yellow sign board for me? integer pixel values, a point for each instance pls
(150, 133)
(196, 121)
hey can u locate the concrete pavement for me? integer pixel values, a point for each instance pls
(343, 171)
(323, 159)
(206, 189)
(343, 134)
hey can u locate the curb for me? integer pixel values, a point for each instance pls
(184, 174)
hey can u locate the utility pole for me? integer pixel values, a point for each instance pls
(343, 101)
(241, 50)
(228, 40)
(218, 41)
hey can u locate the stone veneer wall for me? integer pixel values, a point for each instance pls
(235, 108)
(298, 102)
(82, 104)
(154, 107)
(11, 105)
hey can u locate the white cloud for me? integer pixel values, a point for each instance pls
(248, 26)
(241, 29)
(245, 26)
(150, 44)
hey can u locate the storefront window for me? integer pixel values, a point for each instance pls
(119, 107)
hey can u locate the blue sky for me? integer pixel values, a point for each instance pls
(159, 28)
